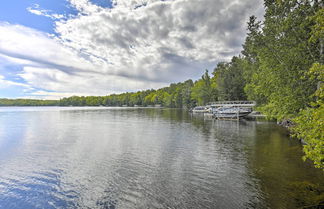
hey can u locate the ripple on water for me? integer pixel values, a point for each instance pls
(140, 158)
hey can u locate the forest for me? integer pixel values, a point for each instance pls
(280, 67)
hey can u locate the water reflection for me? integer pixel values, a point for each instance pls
(143, 158)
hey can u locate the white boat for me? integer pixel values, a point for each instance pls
(231, 112)
(199, 109)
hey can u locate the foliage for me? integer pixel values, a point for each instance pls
(278, 54)
(281, 54)
(28, 102)
(204, 90)
(310, 122)
(230, 80)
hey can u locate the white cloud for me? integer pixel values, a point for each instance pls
(36, 10)
(82, 83)
(51, 95)
(149, 41)
(8, 60)
(24, 43)
(137, 44)
(44, 13)
(7, 83)
(133, 4)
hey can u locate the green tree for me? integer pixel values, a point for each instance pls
(310, 122)
(202, 91)
(230, 80)
(284, 54)
(186, 94)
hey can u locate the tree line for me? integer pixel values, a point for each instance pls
(280, 67)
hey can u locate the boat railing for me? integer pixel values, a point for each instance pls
(232, 104)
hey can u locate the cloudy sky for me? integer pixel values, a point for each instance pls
(52, 49)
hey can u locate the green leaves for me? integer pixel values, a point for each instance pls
(230, 80)
(204, 90)
(310, 122)
(277, 59)
(278, 55)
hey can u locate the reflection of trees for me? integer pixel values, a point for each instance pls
(261, 153)
(267, 160)
(233, 133)
(181, 116)
(275, 161)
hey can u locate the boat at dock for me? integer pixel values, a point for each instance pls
(226, 109)
(200, 109)
(231, 112)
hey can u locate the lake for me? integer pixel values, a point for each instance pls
(56, 157)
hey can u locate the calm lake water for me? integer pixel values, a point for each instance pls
(145, 158)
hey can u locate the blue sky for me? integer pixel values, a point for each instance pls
(15, 12)
(53, 49)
